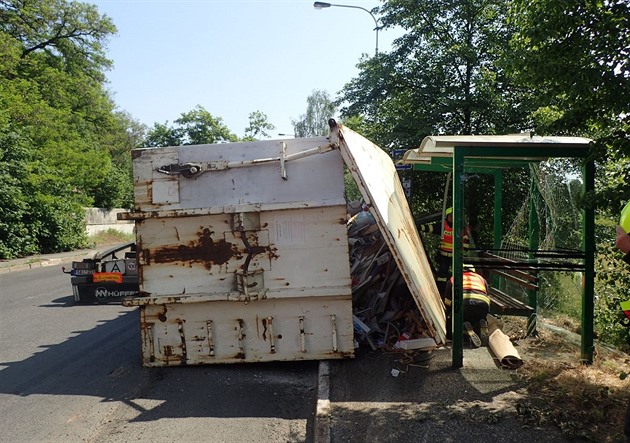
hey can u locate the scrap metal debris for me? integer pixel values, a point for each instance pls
(385, 315)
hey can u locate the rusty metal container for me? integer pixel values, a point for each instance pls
(243, 248)
(243, 253)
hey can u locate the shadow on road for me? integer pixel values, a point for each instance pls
(428, 401)
(104, 362)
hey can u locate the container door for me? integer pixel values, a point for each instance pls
(380, 186)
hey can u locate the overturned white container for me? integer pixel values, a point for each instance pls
(243, 252)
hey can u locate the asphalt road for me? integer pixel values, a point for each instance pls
(72, 373)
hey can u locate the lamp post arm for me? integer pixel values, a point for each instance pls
(377, 27)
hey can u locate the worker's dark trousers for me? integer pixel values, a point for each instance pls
(475, 310)
(443, 271)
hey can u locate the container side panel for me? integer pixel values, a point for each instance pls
(317, 178)
(224, 332)
(302, 251)
(246, 261)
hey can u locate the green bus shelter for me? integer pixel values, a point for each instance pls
(463, 154)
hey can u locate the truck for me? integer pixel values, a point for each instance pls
(243, 252)
(107, 277)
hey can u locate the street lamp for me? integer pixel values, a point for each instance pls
(322, 5)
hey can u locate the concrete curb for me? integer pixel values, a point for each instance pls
(322, 414)
(34, 262)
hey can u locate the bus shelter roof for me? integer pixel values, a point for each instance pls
(496, 150)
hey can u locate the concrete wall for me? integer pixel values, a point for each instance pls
(101, 219)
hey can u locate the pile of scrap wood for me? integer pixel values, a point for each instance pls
(385, 314)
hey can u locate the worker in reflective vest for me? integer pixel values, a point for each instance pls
(444, 255)
(476, 306)
(623, 244)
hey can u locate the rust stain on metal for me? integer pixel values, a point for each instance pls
(182, 337)
(204, 250)
(273, 252)
(162, 315)
(168, 351)
(264, 334)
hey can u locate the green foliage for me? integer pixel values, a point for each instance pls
(561, 293)
(57, 223)
(319, 109)
(162, 135)
(611, 287)
(442, 76)
(258, 126)
(70, 34)
(574, 56)
(61, 140)
(15, 238)
(195, 127)
(115, 190)
(351, 188)
(199, 127)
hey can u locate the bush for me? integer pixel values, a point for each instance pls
(57, 223)
(612, 286)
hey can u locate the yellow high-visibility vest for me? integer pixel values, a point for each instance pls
(474, 287)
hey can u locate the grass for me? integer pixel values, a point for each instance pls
(586, 402)
(110, 237)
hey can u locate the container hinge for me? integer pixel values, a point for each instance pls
(210, 337)
(333, 324)
(241, 338)
(302, 335)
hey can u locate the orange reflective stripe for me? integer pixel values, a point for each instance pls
(446, 242)
(474, 282)
(474, 287)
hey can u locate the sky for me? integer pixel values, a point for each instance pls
(234, 57)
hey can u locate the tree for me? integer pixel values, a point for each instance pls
(576, 57)
(319, 109)
(70, 31)
(258, 126)
(195, 127)
(15, 238)
(58, 116)
(162, 135)
(198, 127)
(442, 76)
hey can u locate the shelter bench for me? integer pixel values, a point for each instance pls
(501, 302)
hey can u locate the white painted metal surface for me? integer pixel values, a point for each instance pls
(298, 252)
(243, 253)
(243, 248)
(226, 332)
(378, 180)
(443, 145)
